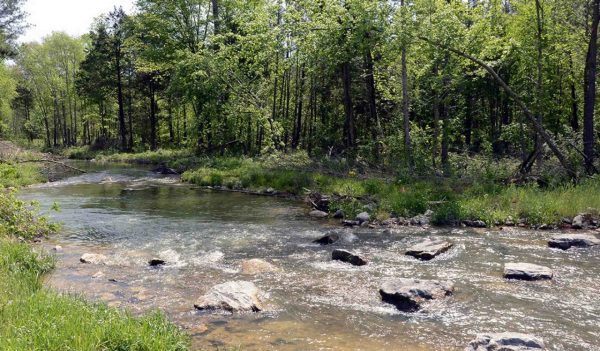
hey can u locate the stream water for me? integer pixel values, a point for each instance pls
(132, 215)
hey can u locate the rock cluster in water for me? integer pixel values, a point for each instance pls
(236, 296)
(506, 342)
(409, 295)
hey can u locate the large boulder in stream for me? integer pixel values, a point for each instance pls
(429, 249)
(236, 296)
(257, 266)
(567, 241)
(527, 271)
(348, 257)
(506, 342)
(91, 258)
(409, 295)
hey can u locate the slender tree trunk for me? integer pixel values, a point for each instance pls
(120, 101)
(376, 129)
(539, 10)
(589, 103)
(153, 122)
(348, 106)
(406, 106)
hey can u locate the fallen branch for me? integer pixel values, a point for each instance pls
(55, 162)
(536, 123)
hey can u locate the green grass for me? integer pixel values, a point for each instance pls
(34, 318)
(474, 192)
(451, 199)
(19, 175)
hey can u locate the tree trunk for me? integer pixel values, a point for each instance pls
(348, 106)
(122, 128)
(376, 130)
(589, 103)
(406, 106)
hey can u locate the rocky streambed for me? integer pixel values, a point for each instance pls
(257, 272)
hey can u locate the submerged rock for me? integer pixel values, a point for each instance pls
(429, 249)
(91, 258)
(155, 262)
(327, 239)
(409, 295)
(348, 257)
(363, 217)
(98, 275)
(527, 271)
(257, 266)
(236, 296)
(318, 214)
(57, 248)
(164, 170)
(506, 342)
(567, 241)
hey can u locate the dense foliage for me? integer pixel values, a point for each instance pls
(399, 84)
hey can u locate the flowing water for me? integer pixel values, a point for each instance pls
(131, 215)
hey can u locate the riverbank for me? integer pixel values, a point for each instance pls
(479, 194)
(35, 318)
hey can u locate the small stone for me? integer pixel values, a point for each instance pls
(409, 295)
(578, 221)
(339, 214)
(318, 214)
(91, 258)
(98, 275)
(429, 249)
(363, 217)
(567, 241)
(348, 223)
(509, 222)
(257, 266)
(475, 224)
(155, 262)
(527, 271)
(506, 342)
(57, 248)
(236, 296)
(348, 257)
(327, 239)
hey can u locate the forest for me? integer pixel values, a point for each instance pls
(409, 86)
(301, 175)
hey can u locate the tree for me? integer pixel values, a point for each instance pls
(12, 25)
(589, 104)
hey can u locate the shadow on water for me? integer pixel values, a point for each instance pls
(131, 215)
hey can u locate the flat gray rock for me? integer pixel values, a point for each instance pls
(567, 241)
(363, 217)
(428, 249)
(327, 239)
(318, 214)
(506, 342)
(409, 295)
(348, 257)
(527, 271)
(236, 296)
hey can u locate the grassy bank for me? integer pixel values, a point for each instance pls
(476, 191)
(34, 318)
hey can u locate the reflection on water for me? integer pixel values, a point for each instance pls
(313, 303)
